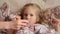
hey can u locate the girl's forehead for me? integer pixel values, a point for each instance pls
(30, 10)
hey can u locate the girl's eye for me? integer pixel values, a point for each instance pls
(31, 14)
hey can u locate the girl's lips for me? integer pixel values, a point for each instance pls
(54, 21)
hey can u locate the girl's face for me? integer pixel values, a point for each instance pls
(55, 21)
(30, 14)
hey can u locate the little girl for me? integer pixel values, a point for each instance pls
(50, 21)
(32, 13)
(56, 18)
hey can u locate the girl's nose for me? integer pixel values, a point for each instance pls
(28, 17)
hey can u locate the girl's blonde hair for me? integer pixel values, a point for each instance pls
(38, 12)
(46, 18)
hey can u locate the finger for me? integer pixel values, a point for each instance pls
(18, 27)
(24, 21)
(22, 24)
(17, 18)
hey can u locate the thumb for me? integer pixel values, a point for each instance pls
(17, 18)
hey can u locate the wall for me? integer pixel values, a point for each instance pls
(17, 4)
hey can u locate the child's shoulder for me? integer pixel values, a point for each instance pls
(44, 29)
(41, 28)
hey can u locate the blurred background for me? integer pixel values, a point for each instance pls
(17, 4)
